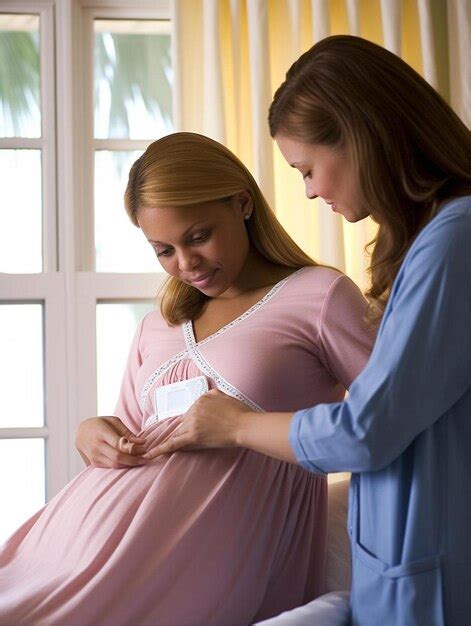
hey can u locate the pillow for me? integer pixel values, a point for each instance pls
(332, 609)
(338, 557)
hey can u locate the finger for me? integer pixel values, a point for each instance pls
(138, 450)
(129, 448)
(136, 439)
(122, 459)
(119, 427)
(127, 460)
(172, 444)
(124, 445)
(105, 462)
(125, 432)
(176, 426)
(109, 457)
(178, 432)
(132, 437)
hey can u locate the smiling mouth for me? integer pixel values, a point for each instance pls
(202, 278)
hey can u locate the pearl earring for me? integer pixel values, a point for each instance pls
(246, 217)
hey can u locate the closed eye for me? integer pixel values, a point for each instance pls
(166, 252)
(200, 238)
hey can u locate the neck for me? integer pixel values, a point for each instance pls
(257, 272)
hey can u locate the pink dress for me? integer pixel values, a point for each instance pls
(207, 538)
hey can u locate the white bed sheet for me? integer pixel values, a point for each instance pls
(332, 609)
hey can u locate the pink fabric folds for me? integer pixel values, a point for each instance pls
(206, 538)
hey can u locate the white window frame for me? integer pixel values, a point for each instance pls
(91, 287)
(69, 287)
(46, 288)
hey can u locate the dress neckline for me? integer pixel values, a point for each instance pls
(188, 330)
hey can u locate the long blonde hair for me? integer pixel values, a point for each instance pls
(184, 169)
(409, 149)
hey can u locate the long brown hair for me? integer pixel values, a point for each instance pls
(409, 149)
(183, 169)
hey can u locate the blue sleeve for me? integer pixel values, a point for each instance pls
(420, 365)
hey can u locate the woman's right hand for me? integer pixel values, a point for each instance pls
(107, 442)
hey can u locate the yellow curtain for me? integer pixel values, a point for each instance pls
(231, 55)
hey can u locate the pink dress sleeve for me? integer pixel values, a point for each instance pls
(345, 337)
(128, 408)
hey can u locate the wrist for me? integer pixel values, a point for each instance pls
(245, 420)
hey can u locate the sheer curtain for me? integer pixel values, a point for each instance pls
(230, 56)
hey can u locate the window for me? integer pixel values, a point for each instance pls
(86, 86)
(132, 104)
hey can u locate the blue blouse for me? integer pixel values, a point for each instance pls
(405, 433)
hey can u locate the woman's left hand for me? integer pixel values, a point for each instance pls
(211, 422)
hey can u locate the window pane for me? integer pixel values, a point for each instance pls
(133, 78)
(19, 76)
(21, 365)
(22, 482)
(116, 325)
(119, 245)
(21, 213)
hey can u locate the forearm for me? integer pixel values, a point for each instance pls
(267, 433)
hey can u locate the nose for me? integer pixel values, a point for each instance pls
(187, 260)
(310, 195)
(309, 192)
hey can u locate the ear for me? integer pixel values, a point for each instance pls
(243, 203)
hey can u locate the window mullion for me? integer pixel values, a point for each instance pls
(20, 143)
(121, 144)
(85, 359)
(125, 286)
(23, 433)
(55, 345)
(48, 135)
(86, 252)
(73, 191)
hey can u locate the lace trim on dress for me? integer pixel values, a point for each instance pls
(210, 372)
(158, 373)
(268, 296)
(193, 352)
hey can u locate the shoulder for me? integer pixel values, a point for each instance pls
(325, 283)
(326, 296)
(153, 323)
(448, 234)
(439, 257)
(316, 279)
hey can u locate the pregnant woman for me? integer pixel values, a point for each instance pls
(215, 537)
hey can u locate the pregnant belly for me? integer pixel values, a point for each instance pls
(118, 540)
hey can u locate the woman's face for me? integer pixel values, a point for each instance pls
(204, 245)
(328, 174)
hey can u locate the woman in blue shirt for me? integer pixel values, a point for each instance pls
(371, 137)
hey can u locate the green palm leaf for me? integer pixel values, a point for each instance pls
(135, 67)
(19, 82)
